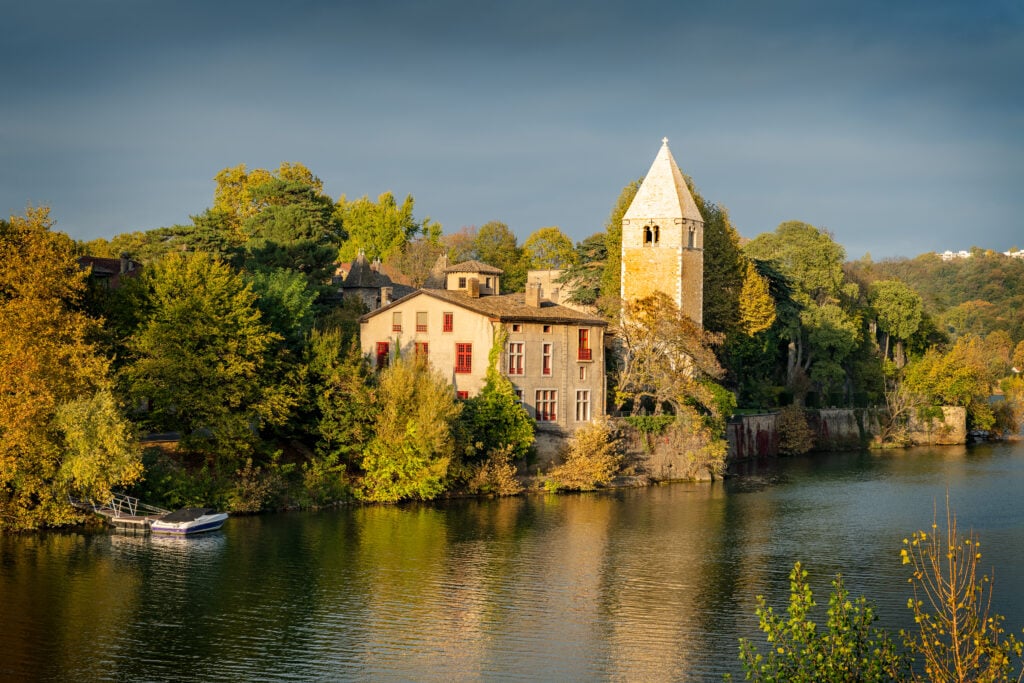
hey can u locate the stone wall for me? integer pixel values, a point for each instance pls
(950, 430)
(752, 436)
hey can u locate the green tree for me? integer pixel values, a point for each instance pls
(380, 229)
(548, 249)
(494, 419)
(412, 449)
(725, 267)
(611, 278)
(294, 229)
(48, 373)
(584, 276)
(828, 328)
(236, 195)
(848, 648)
(496, 245)
(898, 310)
(345, 396)
(199, 358)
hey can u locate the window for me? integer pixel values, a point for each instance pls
(515, 357)
(691, 241)
(652, 235)
(421, 349)
(584, 348)
(583, 406)
(547, 405)
(463, 358)
(545, 366)
(421, 321)
(449, 322)
(547, 329)
(383, 354)
(462, 395)
(583, 373)
(517, 327)
(396, 321)
(462, 283)
(488, 281)
(519, 395)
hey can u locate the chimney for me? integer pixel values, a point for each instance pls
(474, 288)
(533, 294)
(375, 266)
(385, 296)
(126, 264)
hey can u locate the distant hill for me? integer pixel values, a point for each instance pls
(979, 294)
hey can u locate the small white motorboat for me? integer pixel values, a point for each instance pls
(188, 521)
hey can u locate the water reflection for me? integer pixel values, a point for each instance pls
(652, 584)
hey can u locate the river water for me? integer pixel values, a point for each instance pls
(641, 584)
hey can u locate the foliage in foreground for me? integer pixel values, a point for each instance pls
(591, 460)
(956, 638)
(849, 648)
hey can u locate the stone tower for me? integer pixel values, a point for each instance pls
(663, 239)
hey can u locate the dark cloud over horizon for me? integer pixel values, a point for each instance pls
(900, 128)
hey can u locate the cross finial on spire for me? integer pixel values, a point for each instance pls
(664, 141)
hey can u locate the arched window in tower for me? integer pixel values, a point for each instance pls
(648, 236)
(691, 240)
(657, 234)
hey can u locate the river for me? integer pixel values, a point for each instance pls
(640, 584)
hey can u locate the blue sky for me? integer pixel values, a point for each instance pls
(899, 126)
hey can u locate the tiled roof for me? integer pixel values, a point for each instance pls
(362, 275)
(506, 307)
(474, 267)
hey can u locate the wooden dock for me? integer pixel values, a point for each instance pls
(124, 513)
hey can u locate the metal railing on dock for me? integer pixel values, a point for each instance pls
(122, 511)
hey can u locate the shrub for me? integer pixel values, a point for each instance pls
(591, 460)
(847, 649)
(496, 475)
(795, 435)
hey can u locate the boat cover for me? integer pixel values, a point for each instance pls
(187, 514)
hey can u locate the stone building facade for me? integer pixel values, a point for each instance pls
(663, 239)
(553, 355)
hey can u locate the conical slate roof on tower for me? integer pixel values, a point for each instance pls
(663, 194)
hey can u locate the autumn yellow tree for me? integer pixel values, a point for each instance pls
(54, 386)
(757, 307)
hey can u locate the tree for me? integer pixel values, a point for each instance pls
(584, 276)
(345, 396)
(417, 258)
(611, 278)
(725, 267)
(199, 358)
(756, 306)
(667, 359)
(462, 245)
(496, 245)
(494, 419)
(898, 310)
(848, 648)
(548, 249)
(295, 228)
(50, 373)
(956, 633)
(380, 229)
(958, 377)
(412, 448)
(592, 458)
(828, 328)
(236, 193)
